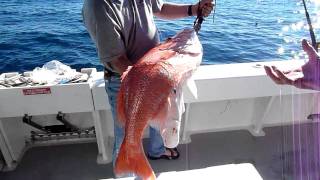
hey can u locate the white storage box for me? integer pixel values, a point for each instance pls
(43, 100)
(16, 102)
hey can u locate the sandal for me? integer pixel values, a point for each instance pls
(167, 157)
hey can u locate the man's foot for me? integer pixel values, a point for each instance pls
(169, 154)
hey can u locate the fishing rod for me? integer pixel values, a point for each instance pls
(312, 35)
(198, 21)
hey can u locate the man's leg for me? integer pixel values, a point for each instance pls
(157, 150)
(112, 87)
(156, 147)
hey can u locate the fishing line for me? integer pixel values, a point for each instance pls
(214, 10)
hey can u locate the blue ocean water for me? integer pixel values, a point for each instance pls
(33, 32)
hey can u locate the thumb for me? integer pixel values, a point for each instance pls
(205, 2)
(307, 47)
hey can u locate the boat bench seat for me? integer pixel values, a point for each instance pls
(243, 90)
(239, 81)
(221, 82)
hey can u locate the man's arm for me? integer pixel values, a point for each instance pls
(176, 11)
(168, 11)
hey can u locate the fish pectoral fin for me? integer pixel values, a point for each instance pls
(155, 123)
(190, 89)
(124, 74)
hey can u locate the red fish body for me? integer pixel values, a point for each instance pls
(147, 94)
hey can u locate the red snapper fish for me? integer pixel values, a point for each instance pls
(151, 94)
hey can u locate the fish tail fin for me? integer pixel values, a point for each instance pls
(133, 162)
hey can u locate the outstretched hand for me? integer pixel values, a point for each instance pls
(305, 77)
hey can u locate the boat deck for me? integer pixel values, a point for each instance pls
(272, 155)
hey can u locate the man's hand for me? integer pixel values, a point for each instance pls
(206, 6)
(310, 71)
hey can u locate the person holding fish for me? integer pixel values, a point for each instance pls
(123, 31)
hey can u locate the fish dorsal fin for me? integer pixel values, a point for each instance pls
(124, 74)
